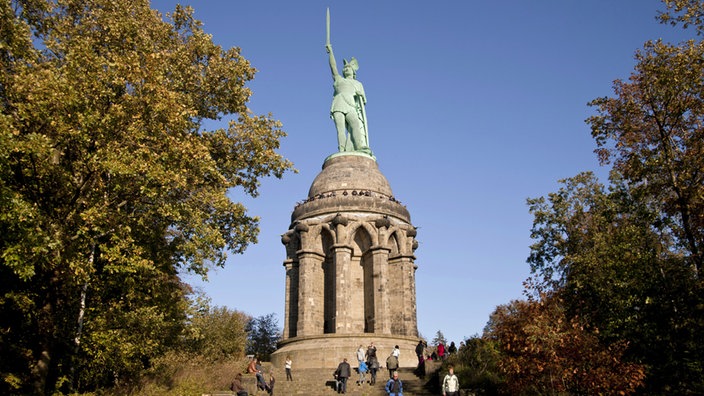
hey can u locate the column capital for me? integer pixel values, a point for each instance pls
(308, 253)
(339, 246)
(379, 249)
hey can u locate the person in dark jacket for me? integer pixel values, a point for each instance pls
(419, 351)
(342, 373)
(236, 386)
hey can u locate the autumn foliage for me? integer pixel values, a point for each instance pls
(615, 298)
(545, 352)
(112, 186)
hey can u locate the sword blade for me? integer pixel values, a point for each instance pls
(327, 26)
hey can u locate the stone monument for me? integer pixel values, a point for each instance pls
(350, 270)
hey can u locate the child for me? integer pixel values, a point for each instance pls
(362, 372)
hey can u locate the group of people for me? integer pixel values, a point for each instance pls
(255, 368)
(440, 352)
(368, 362)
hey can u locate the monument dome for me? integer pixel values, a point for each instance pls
(350, 183)
(350, 172)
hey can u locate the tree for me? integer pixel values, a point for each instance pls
(476, 365)
(652, 132)
(545, 352)
(215, 333)
(627, 258)
(686, 12)
(439, 339)
(610, 258)
(263, 335)
(110, 187)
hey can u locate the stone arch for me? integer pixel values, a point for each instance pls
(392, 244)
(315, 242)
(362, 239)
(398, 235)
(354, 229)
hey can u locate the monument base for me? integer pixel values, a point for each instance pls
(362, 153)
(326, 351)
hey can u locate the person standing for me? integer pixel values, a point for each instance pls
(360, 354)
(372, 362)
(392, 365)
(394, 386)
(342, 374)
(419, 351)
(371, 352)
(396, 352)
(452, 348)
(287, 366)
(441, 351)
(450, 384)
(373, 368)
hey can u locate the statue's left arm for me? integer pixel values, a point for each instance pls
(361, 100)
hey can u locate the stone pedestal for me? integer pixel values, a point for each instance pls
(350, 271)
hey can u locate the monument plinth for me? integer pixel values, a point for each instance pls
(350, 271)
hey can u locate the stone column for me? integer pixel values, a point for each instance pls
(380, 276)
(342, 255)
(291, 299)
(310, 294)
(410, 327)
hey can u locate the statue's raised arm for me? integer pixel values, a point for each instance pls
(348, 102)
(331, 60)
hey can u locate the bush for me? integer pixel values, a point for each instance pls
(476, 366)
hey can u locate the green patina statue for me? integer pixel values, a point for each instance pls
(348, 102)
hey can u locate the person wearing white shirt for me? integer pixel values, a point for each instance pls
(450, 385)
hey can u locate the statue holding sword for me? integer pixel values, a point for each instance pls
(348, 103)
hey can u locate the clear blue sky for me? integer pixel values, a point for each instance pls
(473, 107)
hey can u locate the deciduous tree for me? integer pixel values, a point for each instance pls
(628, 258)
(263, 335)
(545, 352)
(609, 256)
(685, 12)
(476, 365)
(110, 186)
(652, 131)
(216, 333)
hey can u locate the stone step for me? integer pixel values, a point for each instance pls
(320, 382)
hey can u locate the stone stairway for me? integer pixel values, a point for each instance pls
(320, 382)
